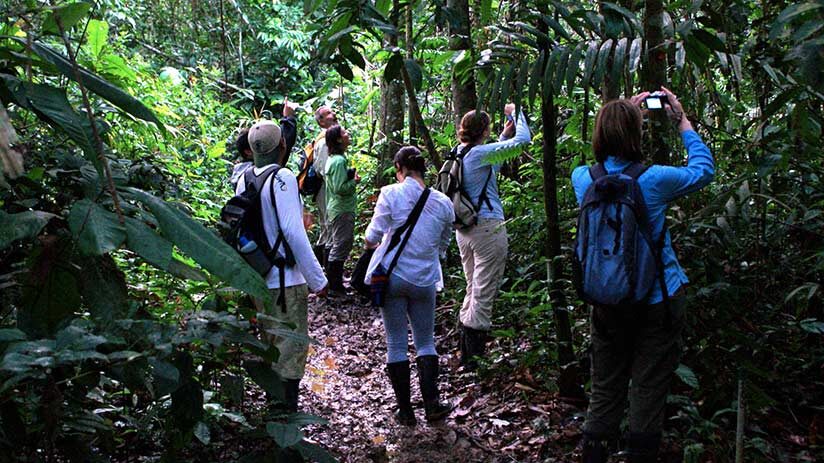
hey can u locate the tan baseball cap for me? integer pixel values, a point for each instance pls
(264, 137)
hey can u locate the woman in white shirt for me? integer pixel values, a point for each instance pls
(410, 296)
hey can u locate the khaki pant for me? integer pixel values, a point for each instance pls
(341, 236)
(484, 249)
(292, 360)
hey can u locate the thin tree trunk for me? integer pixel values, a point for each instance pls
(392, 116)
(409, 29)
(653, 76)
(415, 113)
(464, 97)
(568, 383)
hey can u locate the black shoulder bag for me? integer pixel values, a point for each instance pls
(380, 276)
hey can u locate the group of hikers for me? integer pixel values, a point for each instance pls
(635, 338)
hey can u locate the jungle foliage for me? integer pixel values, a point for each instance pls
(120, 319)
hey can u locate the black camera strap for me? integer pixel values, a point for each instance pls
(408, 226)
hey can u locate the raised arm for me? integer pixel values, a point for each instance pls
(522, 137)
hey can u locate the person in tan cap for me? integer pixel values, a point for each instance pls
(296, 270)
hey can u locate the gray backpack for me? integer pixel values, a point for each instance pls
(450, 183)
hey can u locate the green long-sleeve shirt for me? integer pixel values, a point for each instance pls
(340, 189)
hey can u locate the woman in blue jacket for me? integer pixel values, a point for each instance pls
(641, 346)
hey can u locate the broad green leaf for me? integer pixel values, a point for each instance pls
(96, 230)
(68, 15)
(148, 244)
(618, 62)
(600, 67)
(589, 63)
(634, 54)
(556, 26)
(415, 73)
(11, 335)
(96, 84)
(788, 14)
(687, 376)
(166, 377)
(51, 294)
(97, 36)
(201, 431)
(573, 65)
(268, 380)
(217, 150)
(813, 326)
(549, 72)
(51, 105)
(629, 15)
(303, 419)
(709, 39)
(104, 289)
(560, 71)
(392, 71)
(203, 245)
(115, 66)
(22, 225)
(535, 78)
(284, 434)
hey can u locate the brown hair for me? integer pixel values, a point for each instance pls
(473, 127)
(411, 158)
(618, 131)
(334, 139)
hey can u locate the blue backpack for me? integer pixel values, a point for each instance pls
(616, 261)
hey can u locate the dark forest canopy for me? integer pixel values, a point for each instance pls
(123, 329)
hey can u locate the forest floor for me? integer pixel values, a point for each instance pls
(494, 420)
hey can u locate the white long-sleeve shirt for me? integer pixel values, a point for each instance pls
(418, 263)
(290, 213)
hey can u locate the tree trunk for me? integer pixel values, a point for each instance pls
(392, 116)
(417, 118)
(653, 76)
(409, 29)
(464, 97)
(568, 384)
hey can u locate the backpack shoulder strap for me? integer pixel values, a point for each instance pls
(465, 150)
(408, 227)
(635, 170)
(597, 171)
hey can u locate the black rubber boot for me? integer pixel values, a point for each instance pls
(399, 375)
(291, 389)
(473, 345)
(595, 449)
(326, 251)
(334, 272)
(428, 376)
(642, 447)
(319, 250)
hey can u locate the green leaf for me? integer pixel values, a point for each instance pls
(710, 40)
(68, 15)
(201, 431)
(811, 325)
(600, 68)
(263, 375)
(314, 452)
(415, 73)
(589, 63)
(148, 244)
(556, 26)
(97, 85)
(96, 230)
(630, 16)
(166, 377)
(22, 225)
(618, 62)
(535, 77)
(687, 376)
(560, 71)
(51, 105)
(97, 36)
(392, 71)
(103, 288)
(285, 435)
(304, 419)
(788, 14)
(202, 245)
(573, 65)
(11, 334)
(634, 54)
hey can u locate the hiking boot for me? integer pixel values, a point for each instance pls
(291, 389)
(473, 346)
(428, 376)
(399, 375)
(595, 449)
(642, 447)
(334, 272)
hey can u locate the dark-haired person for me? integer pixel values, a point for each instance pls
(640, 345)
(244, 153)
(341, 201)
(271, 144)
(483, 247)
(410, 297)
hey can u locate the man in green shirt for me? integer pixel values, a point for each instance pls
(340, 205)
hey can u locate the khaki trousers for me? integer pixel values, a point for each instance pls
(292, 360)
(484, 249)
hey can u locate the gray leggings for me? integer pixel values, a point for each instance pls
(408, 304)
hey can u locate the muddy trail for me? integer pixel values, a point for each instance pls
(496, 419)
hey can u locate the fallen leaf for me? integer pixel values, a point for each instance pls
(379, 439)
